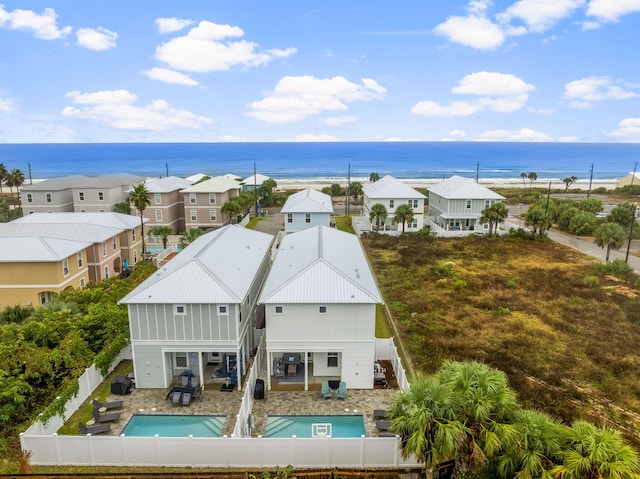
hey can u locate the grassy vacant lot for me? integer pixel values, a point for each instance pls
(567, 340)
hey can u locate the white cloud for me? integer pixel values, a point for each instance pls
(524, 134)
(472, 31)
(170, 76)
(116, 108)
(455, 135)
(312, 138)
(212, 47)
(173, 24)
(629, 130)
(338, 120)
(584, 92)
(540, 15)
(96, 39)
(612, 10)
(233, 139)
(43, 25)
(297, 98)
(500, 92)
(6, 105)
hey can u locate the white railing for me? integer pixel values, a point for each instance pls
(386, 349)
(160, 257)
(242, 419)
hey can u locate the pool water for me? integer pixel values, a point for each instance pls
(314, 426)
(174, 425)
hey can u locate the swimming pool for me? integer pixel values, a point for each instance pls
(174, 425)
(314, 426)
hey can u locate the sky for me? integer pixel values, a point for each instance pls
(319, 70)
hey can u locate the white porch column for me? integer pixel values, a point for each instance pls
(200, 369)
(306, 372)
(269, 364)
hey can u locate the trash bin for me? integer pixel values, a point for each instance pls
(258, 392)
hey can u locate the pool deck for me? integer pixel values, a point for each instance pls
(291, 402)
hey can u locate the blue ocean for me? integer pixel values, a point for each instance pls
(288, 162)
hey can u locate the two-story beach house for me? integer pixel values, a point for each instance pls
(253, 182)
(167, 202)
(45, 253)
(320, 310)
(203, 202)
(199, 306)
(457, 203)
(306, 209)
(391, 193)
(77, 193)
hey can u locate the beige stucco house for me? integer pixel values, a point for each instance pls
(203, 202)
(167, 202)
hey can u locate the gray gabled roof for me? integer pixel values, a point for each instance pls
(308, 201)
(459, 188)
(320, 265)
(217, 268)
(80, 181)
(219, 184)
(36, 249)
(391, 188)
(167, 184)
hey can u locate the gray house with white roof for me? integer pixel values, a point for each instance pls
(306, 209)
(457, 203)
(201, 304)
(320, 310)
(391, 193)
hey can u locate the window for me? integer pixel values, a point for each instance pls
(115, 243)
(157, 198)
(194, 215)
(289, 217)
(80, 259)
(81, 195)
(82, 282)
(158, 215)
(29, 198)
(133, 234)
(83, 211)
(181, 360)
(391, 203)
(44, 297)
(104, 248)
(65, 267)
(212, 215)
(307, 217)
(279, 309)
(413, 203)
(414, 223)
(192, 198)
(49, 197)
(101, 211)
(332, 360)
(212, 198)
(100, 195)
(106, 272)
(322, 310)
(31, 212)
(135, 256)
(180, 309)
(222, 309)
(468, 204)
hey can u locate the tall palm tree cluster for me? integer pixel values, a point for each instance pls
(467, 414)
(13, 178)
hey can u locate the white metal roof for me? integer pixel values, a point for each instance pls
(80, 181)
(259, 179)
(21, 249)
(167, 184)
(308, 201)
(320, 265)
(390, 187)
(107, 219)
(218, 267)
(219, 184)
(459, 188)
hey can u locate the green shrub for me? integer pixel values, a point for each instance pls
(459, 284)
(501, 311)
(441, 282)
(617, 268)
(592, 281)
(444, 269)
(512, 283)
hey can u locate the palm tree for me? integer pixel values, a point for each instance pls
(523, 175)
(494, 215)
(15, 178)
(378, 213)
(189, 237)
(611, 236)
(425, 418)
(3, 177)
(162, 231)
(232, 209)
(537, 450)
(141, 198)
(373, 177)
(568, 182)
(356, 189)
(538, 218)
(596, 453)
(532, 177)
(404, 214)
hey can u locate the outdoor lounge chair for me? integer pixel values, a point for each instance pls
(383, 425)
(342, 391)
(108, 406)
(326, 390)
(108, 417)
(186, 399)
(97, 429)
(379, 414)
(175, 397)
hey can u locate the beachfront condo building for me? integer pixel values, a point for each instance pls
(166, 207)
(203, 202)
(391, 193)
